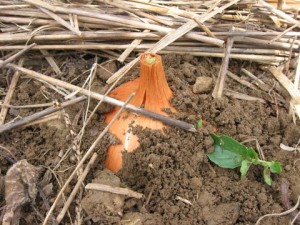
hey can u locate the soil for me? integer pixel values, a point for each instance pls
(171, 169)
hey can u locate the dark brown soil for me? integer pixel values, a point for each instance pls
(171, 166)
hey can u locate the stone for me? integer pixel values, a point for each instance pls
(203, 85)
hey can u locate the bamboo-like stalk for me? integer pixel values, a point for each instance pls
(112, 18)
(10, 93)
(219, 87)
(115, 190)
(171, 37)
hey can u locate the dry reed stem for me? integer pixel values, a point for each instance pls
(278, 12)
(61, 21)
(114, 190)
(51, 61)
(76, 188)
(288, 85)
(241, 81)
(218, 90)
(45, 119)
(117, 19)
(25, 120)
(171, 37)
(258, 82)
(242, 96)
(10, 92)
(17, 55)
(84, 158)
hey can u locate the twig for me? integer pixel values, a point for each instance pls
(288, 85)
(13, 158)
(76, 188)
(61, 21)
(297, 73)
(278, 12)
(218, 90)
(84, 158)
(258, 82)
(27, 106)
(284, 32)
(45, 119)
(165, 119)
(279, 214)
(132, 46)
(288, 62)
(242, 96)
(115, 190)
(241, 81)
(10, 92)
(51, 61)
(9, 126)
(17, 55)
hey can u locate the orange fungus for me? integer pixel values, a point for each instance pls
(152, 91)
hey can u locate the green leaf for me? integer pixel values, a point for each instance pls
(267, 177)
(275, 167)
(198, 124)
(225, 158)
(234, 146)
(229, 153)
(245, 165)
(251, 154)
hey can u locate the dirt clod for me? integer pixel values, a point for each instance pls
(202, 85)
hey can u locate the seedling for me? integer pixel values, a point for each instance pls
(199, 123)
(229, 153)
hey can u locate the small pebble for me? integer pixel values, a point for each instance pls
(203, 85)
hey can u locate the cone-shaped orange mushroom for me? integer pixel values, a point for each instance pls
(153, 92)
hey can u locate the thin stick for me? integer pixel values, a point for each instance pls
(204, 28)
(164, 119)
(115, 190)
(242, 96)
(258, 82)
(279, 214)
(278, 12)
(218, 90)
(27, 106)
(45, 119)
(15, 56)
(297, 74)
(84, 158)
(285, 82)
(60, 20)
(51, 61)
(288, 85)
(9, 126)
(76, 188)
(241, 81)
(132, 46)
(10, 92)
(284, 32)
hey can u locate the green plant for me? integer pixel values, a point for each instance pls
(199, 123)
(229, 153)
